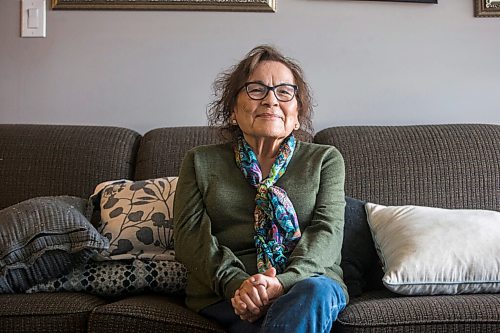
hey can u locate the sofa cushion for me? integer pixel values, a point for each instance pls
(358, 250)
(47, 312)
(162, 150)
(44, 237)
(49, 160)
(428, 251)
(449, 165)
(384, 311)
(136, 217)
(120, 277)
(149, 313)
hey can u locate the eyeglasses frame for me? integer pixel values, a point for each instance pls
(269, 88)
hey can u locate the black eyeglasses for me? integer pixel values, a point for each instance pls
(284, 92)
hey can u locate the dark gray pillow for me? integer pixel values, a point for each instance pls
(358, 250)
(42, 238)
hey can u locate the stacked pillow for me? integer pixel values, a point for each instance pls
(136, 221)
(120, 278)
(137, 218)
(42, 238)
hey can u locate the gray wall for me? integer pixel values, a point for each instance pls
(368, 62)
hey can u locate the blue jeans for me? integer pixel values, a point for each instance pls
(311, 305)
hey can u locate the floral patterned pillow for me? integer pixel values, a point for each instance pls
(136, 217)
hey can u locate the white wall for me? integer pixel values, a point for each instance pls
(368, 62)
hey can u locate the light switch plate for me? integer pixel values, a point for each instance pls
(33, 14)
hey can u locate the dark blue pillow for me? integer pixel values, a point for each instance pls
(358, 250)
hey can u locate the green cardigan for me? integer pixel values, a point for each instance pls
(214, 225)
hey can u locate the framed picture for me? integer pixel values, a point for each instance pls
(486, 8)
(420, 1)
(214, 5)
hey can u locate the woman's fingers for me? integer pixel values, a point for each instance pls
(262, 294)
(254, 294)
(242, 312)
(245, 308)
(250, 317)
(253, 291)
(239, 306)
(252, 300)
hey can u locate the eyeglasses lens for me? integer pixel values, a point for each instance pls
(283, 92)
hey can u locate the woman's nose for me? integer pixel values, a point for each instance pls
(270, 99)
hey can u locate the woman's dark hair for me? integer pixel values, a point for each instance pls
(229, 83)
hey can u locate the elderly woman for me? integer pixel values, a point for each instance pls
(259, 219)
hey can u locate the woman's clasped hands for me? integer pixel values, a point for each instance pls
(256, 294)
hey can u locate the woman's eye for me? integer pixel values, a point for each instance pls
(257, 89)
(284, 92)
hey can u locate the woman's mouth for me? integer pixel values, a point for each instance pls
(268, 116)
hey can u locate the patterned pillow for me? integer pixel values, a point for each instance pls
(119, 278)
(136, 217)
(44, 237)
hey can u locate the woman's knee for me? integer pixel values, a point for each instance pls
(320, 286)
(315, 284)
(311, 305)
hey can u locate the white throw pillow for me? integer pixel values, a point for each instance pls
(429, 251)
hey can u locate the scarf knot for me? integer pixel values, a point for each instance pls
(275, 220)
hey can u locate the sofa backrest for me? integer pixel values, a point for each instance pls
(162, 150)
(42, 160)
(448, 166)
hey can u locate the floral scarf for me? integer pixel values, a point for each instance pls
(276, 225)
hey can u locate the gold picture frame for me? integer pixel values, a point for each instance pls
(487, 8)
(212, 5)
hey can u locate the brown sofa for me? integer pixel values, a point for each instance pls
(451, 166)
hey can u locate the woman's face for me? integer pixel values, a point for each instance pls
(269, 117)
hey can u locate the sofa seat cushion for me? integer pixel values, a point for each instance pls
(383, 311)
(148, 313)
(46, 312)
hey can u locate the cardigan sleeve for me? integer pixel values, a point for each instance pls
(207, 261)
(319, 248)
